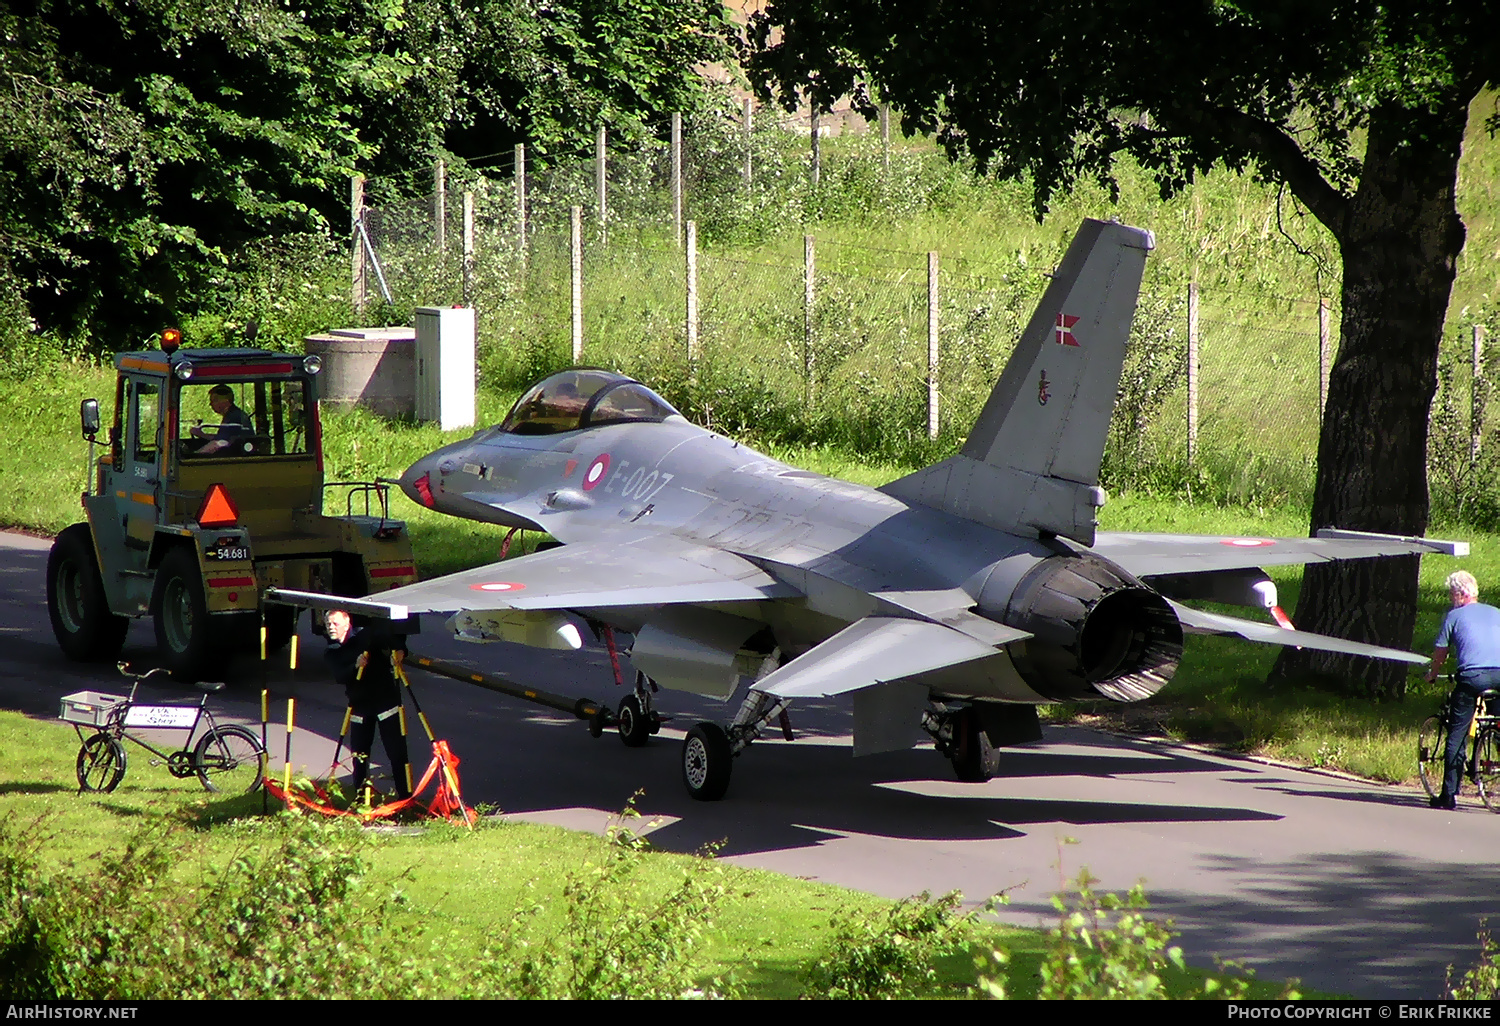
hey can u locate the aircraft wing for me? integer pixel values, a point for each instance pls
(874, 650)
(647, 571)
(1198, 621)
(1145, 555)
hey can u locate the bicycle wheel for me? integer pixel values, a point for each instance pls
(1487, 767)
(101, 763)
(1432, 743)
(228, 759)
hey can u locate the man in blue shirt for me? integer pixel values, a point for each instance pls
(1473, 630)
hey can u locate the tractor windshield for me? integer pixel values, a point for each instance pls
(242, 418)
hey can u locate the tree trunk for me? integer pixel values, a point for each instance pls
(1400, 239)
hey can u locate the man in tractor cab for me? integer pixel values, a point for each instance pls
(235, 421)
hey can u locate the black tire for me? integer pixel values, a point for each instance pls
(1487, 768)
(706, 762)
(633, 724)
(85, 629)
(184, 636)
(975, 760)
(101, 764)
(229, 759)
(1432, 743)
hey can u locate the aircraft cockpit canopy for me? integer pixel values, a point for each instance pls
(583, 398)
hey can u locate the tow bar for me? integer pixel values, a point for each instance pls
(597, 716)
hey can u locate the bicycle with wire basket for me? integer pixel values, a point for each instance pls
(227, 757)
(1483, 763)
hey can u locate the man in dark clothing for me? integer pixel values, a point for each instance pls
(1472, 629)
(235, 421)
(360, 658)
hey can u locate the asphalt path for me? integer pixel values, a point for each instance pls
(1353, 887)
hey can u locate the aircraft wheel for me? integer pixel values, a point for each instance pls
(975, 760)
(633, 724)
(85, 628)
(180, 611)
(706, 761)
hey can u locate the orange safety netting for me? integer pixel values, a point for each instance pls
(446, 802)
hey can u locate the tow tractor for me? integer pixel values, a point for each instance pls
(212, 490)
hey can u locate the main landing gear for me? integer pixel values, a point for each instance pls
(958, 734)
(709, 750)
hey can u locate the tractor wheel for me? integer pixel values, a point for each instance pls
(183, 627)
(85, 628)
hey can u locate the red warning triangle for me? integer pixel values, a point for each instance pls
(218, 509)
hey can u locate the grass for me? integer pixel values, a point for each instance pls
(457, 891)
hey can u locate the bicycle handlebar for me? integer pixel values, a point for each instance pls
(209, 686)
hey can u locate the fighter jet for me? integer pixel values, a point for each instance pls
(951, 602)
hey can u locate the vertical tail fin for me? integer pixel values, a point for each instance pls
(1031, 463)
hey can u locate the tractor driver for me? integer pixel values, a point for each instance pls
(235, 421)
(1472, 629)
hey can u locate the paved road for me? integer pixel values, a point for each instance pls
(1353, 887)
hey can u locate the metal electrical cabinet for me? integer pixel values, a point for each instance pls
(445, 366)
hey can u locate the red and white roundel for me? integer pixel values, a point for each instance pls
(497, 586)
(1247, 543)
(596, 472)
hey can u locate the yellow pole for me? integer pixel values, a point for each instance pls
(262, 641)
(291, 714)
(265, 759)
(293, 663)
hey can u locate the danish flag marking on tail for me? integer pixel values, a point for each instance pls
(1064, 336)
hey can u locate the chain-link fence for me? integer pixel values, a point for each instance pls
(814, 339)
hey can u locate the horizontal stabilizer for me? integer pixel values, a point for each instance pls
(1147, 555)
(870, 651)
(1199, 622)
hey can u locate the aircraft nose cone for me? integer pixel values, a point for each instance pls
(417, 482)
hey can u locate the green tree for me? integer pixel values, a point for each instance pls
(145, 143)
(148, 139)
(1358, 108)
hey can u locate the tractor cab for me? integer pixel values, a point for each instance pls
(211, 490)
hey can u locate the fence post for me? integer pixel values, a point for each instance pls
(885, 138)
(358, 282)
(1476, 395)
(817, 150)
(1325, 351)
(1192, 374)
(440, 205)
(468, 268)
(600, 180)
(809, 274)
(692, 292)
(677, 178)
(932, 344)
(576, 222)
(749, 142)
(521, 202)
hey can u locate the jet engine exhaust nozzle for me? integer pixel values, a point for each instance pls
(1097, 631)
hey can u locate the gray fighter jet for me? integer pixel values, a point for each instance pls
(950, 602)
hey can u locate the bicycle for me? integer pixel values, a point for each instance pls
(227, 758)
(1483, 763)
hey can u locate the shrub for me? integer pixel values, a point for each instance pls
(890, 954)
